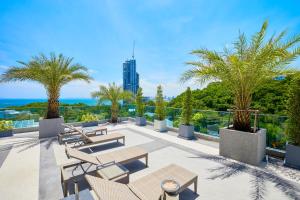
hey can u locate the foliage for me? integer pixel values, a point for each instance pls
(293, 128)
(244, 68)
(52, 72)
(160, 110)
(114, 94)
(269, 97)
(5, 125)
(140, 107)
(187, 109)
(89, 117)
(150, 103)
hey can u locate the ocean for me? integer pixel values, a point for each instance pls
(20, 102)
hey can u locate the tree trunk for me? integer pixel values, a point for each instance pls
(242, 115)
(53, 107)
(114, 113)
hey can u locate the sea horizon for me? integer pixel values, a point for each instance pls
(7, 102)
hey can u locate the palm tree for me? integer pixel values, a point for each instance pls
(114, 94)
(246, 66)
(52, 72)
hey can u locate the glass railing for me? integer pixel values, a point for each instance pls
(204, 121)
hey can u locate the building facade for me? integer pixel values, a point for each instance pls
(130, 76)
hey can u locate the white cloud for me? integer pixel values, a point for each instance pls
(3, 67)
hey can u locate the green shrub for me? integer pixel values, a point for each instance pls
(140, 107)
(160, 110)
(6, 125)
(89, 117)
(293, 128)
(187, 110)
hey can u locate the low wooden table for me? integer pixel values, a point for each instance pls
(114, 172)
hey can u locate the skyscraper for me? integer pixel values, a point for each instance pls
(130, 76)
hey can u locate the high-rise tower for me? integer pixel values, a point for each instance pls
(130, 76)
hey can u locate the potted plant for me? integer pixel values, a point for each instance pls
(140, 120)
(292, 157)
(53, 73)
(186, 129)
(89, 120)
(160, 111)
(114, 94)
(242, 69)
(6, 128)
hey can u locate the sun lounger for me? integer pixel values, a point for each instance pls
(87, 140)
(73, 133)
(145, 188)
(121, 156)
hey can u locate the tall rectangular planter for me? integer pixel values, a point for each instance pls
(6, 133)
(140, 121)
(186, 132)
(246, 147)
(89, 124)
(160, 125)
(50, 127)
(292, 156)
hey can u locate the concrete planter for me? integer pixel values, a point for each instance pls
(186, 132)
(140, 121)
(246, 147)
(6, 133)
(88, 124)
(50, 127)
(292, 156)
(160, 125)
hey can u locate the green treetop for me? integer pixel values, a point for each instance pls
(293, 128)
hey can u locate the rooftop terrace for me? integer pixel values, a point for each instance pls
(30, 167)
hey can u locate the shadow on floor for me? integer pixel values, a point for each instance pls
(259, 177)
(101, 147)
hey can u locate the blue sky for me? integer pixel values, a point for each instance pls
(99, 34)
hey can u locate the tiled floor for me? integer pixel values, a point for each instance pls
(30, 168)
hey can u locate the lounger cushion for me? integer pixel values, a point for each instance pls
(123, 155)
(105, 138)
(74, 153)
(109, 190)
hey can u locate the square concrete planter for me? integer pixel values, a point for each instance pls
(50, 127)
(88, 124)
(160, 125)
(186, 132)
(6, 133)
(292, 156)
(246, 147)
(140, 121)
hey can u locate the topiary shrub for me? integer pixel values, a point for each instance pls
(187, 110)
(89, 117)
(140, 107)
(160, 110)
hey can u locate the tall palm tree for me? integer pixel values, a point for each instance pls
(246, 66)
(52, 72)
(114, 94)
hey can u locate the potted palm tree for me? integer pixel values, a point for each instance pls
(89, 119)
(292, 157)
(6, 128)
(186, 129)
(140, 120)
(53, 73)
(160, 111)
(243, 68)
(114, 94)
